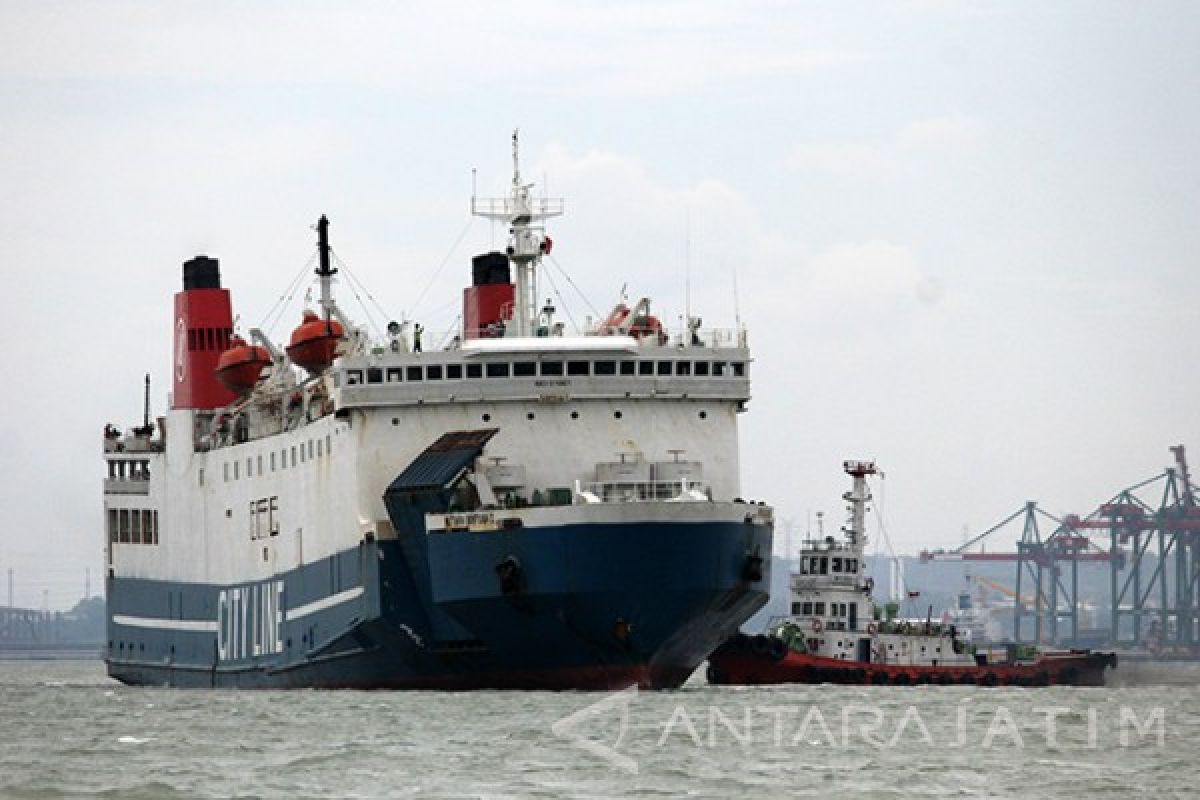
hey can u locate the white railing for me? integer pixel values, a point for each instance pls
(642, 492)
(440, 340)
(126, 486)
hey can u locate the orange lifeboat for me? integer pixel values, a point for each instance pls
(239, 367)
(314, 342)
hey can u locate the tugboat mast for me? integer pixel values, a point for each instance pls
(527, 240)
(858, 497)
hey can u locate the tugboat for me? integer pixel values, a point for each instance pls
(836, 634)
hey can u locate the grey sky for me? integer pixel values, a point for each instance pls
(964, 235)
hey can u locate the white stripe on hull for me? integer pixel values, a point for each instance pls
(198, 625)
(324, 603)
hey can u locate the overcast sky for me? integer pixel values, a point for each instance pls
(965, 236)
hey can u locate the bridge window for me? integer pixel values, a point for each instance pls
(683, 368)
(394, 375)
(577, 368)
(524, 369)
(474, 370)
(628, 367)
(604, 368)
(739, 369)
(664, 367)
(412, 374)
(645, 368)
(497, 369)
(353, 377)
(837, 564)
(454, 372)
(552, 368)
(701, 369)
(433, 372)
(374, 375)
(718, 369)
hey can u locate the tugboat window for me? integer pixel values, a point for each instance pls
(374, 375)
(524, 369)
(353, 377)
(701, 369)
(718, 369)
(577, 368)
(413, 373)
(837, 564)
(739, 369)
(683, 368)
(433, 372)
(497, 370)
(394, 375)
(628, 367)
(474, 370)
(645, 368)
(604, 368)
(552, 368)
(664, 367)
(454, 372)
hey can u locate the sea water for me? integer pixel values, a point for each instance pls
(69, 731)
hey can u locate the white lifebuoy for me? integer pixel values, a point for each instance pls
(872, 628)
(817, 626)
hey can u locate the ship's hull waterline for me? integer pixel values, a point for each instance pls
(600, 606)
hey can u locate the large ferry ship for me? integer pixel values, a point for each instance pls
(520, 507)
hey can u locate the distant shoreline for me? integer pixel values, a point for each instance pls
(53, 653)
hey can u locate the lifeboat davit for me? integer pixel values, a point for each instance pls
(314, 342)
(239, 367)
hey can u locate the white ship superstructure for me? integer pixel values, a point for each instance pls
(262, 538)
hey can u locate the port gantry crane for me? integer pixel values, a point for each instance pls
(1154, 597)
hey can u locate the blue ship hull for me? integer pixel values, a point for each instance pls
(581, 606)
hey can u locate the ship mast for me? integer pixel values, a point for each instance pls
(857, 498)
(324, 271)
(527, 240)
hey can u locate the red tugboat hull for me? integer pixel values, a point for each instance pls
(764, 660)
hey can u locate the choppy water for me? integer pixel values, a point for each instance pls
(70, 732)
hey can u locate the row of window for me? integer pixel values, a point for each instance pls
(817, 609)
(256, 465)
(824, 565)
(209, 338)
(545, 369)
(132, 526)
(122, 469)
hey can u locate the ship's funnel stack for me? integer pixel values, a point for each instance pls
(488, 301)
(203, 326)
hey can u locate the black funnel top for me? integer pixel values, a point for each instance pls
(201, 272)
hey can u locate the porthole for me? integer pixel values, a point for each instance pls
(529, 415)
(616, 414)
(395, 420)
(574, 415)
(487, 417)
(703, 415)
